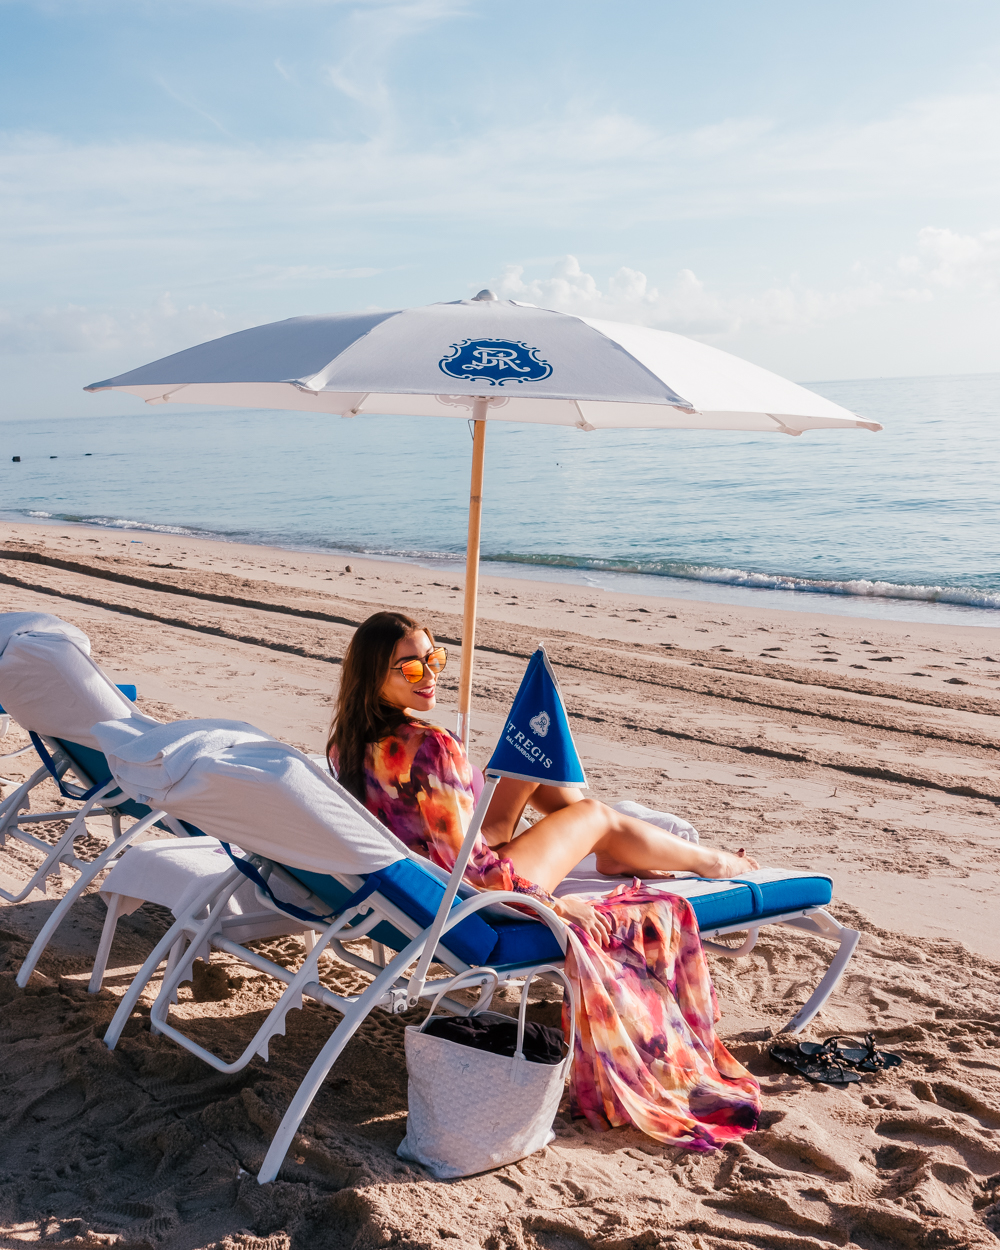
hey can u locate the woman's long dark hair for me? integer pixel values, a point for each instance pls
(362, 715)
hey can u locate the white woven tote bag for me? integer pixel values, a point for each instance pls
(470, 1110)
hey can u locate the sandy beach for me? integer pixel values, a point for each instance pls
(867, 750)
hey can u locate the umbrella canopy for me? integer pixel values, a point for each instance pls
(534, 365)
(492, 360)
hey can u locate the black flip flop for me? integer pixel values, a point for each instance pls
(868, 1059)
(815, 1062)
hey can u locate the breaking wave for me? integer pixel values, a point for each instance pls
(121, 523)
(861, 587)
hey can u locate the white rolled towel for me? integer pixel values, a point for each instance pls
(662, 820)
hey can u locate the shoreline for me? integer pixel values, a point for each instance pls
(721, 590)
(305, 565)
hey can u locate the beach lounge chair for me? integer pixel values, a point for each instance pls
(56, 691)
(52, 688)
(320, 856)
(50, 685)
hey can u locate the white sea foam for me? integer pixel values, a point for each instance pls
(123, 523)
(861, 587)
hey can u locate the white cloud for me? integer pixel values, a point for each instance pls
(968, 262)
(375, 29)
(687, 306)
(556, 172)
(569, 289)
(91, 230)
(162, 327)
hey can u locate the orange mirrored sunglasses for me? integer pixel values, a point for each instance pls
(413, 670)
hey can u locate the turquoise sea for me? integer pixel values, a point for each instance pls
(904, 524)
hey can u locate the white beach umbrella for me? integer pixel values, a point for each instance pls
(490, 360)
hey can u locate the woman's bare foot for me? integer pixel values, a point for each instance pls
(724, 864)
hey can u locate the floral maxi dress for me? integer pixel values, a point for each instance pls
(646, 1052)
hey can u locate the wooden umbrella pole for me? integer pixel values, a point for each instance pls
(472, 568)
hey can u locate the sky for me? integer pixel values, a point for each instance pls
(814, 187)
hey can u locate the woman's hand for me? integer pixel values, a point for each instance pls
(583, 913)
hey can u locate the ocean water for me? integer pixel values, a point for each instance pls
(904, 524)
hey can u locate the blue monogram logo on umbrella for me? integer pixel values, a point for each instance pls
(495, 360)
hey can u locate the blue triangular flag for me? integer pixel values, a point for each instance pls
(536, 743)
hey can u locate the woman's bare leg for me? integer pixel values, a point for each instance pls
(549, 799)
(546, 852)
(510, 799)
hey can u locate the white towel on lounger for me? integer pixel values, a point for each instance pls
(662, 820)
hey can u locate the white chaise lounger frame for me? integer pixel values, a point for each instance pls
(391, 989)
(106, 801)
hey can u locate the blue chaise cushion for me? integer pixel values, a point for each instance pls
(741, 901)
(507, 941)
(521, 942)
(417, 893)
(499, 941)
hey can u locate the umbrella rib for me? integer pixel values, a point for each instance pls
(583, 423)
(785, 429)
(165, 397)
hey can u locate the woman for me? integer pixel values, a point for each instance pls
(645, 1050)
(387, 759)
